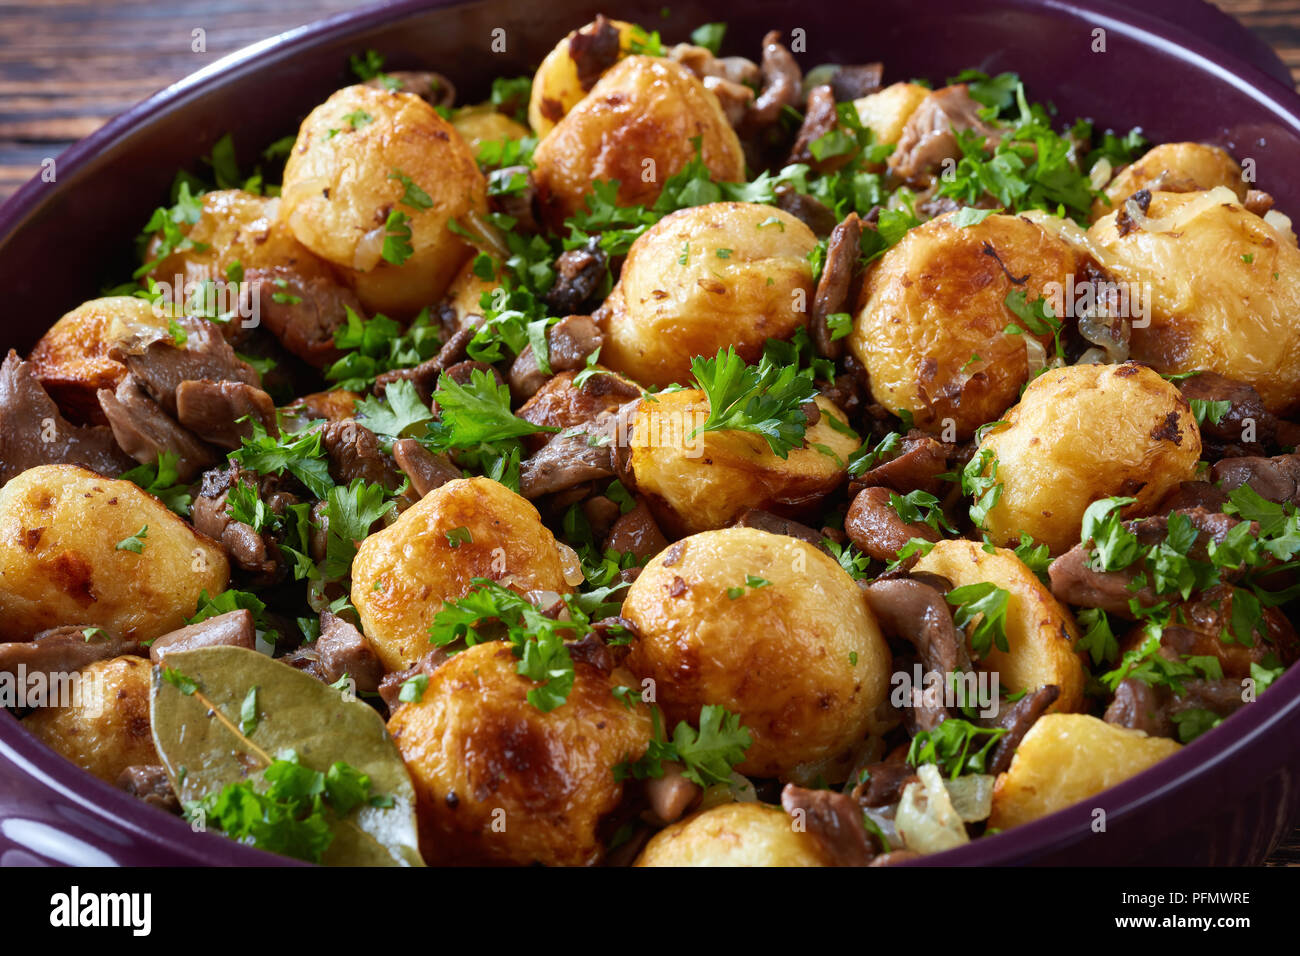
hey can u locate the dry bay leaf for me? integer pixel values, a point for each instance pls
(294, 712)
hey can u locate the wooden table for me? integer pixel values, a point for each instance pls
(67, 66)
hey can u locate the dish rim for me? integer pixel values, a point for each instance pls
(172, 835)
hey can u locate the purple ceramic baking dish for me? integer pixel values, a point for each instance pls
(1178, 68)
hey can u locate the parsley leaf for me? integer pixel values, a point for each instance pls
(1114, 546)
(162, 479)
(985, 605)
(491, 611)
(350, 512)
(397, 246)
(135, 542)
(477, 412)
(763, 399)
(948, 746)
(707, 755)
(396, 414)
(300, 455)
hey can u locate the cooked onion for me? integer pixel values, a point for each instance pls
(370, 248)
(971, 796)
(489, 233)
(1035, 354)
(1100, 331)
(1281, 223)
(1184, 214)
(1100, 173)
(926, 819)
(570, 565)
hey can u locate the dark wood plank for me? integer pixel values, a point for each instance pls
(67, 66)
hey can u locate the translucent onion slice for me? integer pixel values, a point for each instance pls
(926, 819)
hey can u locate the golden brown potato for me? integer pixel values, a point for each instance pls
(701, 279)
(464, 298)
(887, 111)
(343, 181)
(556, 87)
(484, 124)
(105, 728)
(704, 482)
(1224, 291)
(800, 659)
(499, 781)
(1085, 432)
(931, 319)
(1041, 632)
(1174, 168)
(402, 575)
(733, 834)
(72, 359)
(65, 557)
(636, 125)
(1066, 758)
(235, 226)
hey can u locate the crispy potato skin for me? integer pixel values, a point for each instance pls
(938, 299)
(108, 729)
(1085, 432)
(1173, 167)
(236, 226)
(72, 359)
(59, 561)
(556, 88)
(499, 781)
(1041, 632)
(733, 834)
(887, 111)
(402, 575)
(483, 124)
(663, 312)
(801, 660)
(705, 482)
(1066, 758)
(643, 108)
(1210, 307)
(338, 194)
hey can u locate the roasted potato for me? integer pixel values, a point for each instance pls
(485, 124)
(725, 274)
(464, 297)
(1085, 432)
(235, 227)
(105, 727)
(1041, 632)
(637, 126)
(799, 656)
(72, 359)
(67, 540)
(402, 575)
(887, 111)
(556, 88)
(1223, 287)
(1174, 168)
(343, 184)
(1066, 758)
(499, 781)
(931, 319)
(733, 834)
(702, 482)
